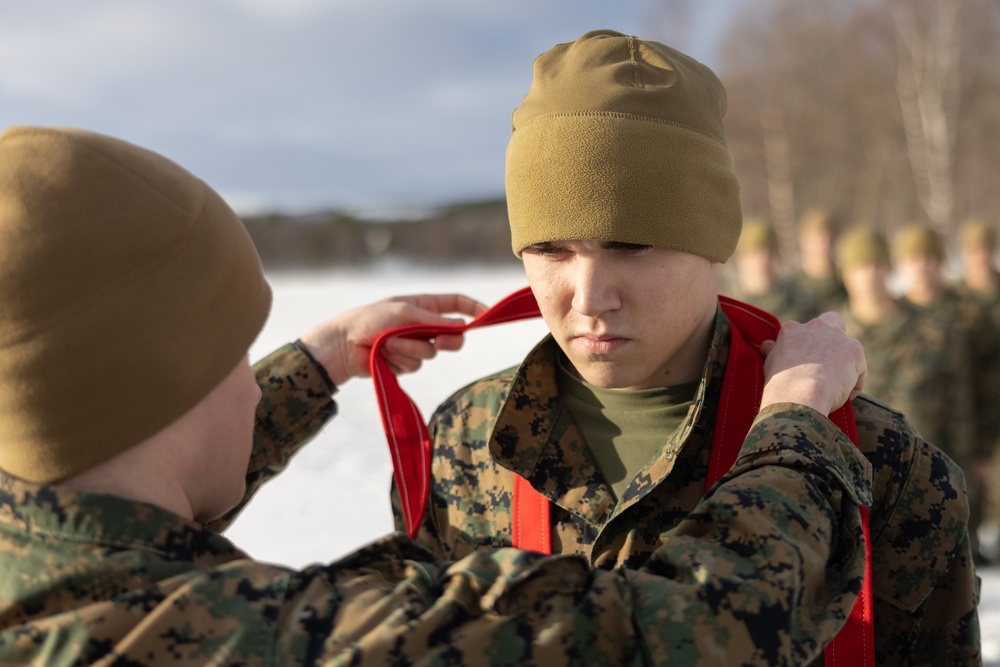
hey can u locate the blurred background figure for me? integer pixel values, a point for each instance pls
(817, 273)
(759, 278)
(915, 364)
(981, 283)
(921, 259)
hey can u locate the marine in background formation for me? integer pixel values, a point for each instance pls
(917, 366)
(759, 279)
(920, 255)
(817, 271)
(981, 283)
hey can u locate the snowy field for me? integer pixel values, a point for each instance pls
(334, 496)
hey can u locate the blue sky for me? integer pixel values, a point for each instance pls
(298, 105)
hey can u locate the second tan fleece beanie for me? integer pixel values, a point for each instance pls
(129, 290)
(622, 139)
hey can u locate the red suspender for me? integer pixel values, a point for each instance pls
(530, 525)
(410, 446)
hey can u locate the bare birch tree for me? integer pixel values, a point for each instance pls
(928, 79)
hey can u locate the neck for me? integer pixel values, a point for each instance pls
(925, 295)
(141, 474)
(816, 267)
(981, 278)
(872, 308)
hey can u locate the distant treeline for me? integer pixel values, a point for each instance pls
(467, 233)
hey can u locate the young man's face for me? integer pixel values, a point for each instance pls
(866, 280)
(627, 316)
(755, 268)
(978, 257)
(815, 246)
(920, 272)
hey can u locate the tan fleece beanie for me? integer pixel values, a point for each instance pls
(917, 240)
(128, 291)
(861, 246)
(816, 220)
(621, 139)
(757, 235)
(976, 232)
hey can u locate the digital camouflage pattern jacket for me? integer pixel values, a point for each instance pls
(87, 578)
(513, 422)
(977, 315)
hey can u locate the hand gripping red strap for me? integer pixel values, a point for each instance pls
(410, 447)
(405, 430)
(855, 643)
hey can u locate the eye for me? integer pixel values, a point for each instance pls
(633, 249)
(546, 249)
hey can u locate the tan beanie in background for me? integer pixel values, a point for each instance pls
(916, 240)
(128, 291)
(977, 232)
(862, 245)
(622, 139)
(758, 235)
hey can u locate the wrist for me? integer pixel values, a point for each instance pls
(807, 392)
(327, 351)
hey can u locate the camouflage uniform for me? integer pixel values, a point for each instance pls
(828, 292)
(513, 422)
(786, 300)
(921, 368)
(987, 399)
(95, 579)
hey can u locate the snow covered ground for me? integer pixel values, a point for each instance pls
(334, 496)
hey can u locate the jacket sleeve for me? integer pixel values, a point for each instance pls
(296, 402)
(764, 572)
(926, 590)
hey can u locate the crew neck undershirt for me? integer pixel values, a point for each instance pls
(623, 429)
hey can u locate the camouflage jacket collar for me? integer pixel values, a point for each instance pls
(535, 437)
(107, 522)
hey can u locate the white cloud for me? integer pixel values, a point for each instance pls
(286, 101)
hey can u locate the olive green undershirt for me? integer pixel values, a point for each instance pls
(624, 429)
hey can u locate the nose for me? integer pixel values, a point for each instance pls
(595, 288)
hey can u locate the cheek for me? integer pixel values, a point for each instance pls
(550, 288)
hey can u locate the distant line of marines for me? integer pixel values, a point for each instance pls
(930, 328)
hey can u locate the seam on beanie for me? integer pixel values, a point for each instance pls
(634, 60)
(624, 116)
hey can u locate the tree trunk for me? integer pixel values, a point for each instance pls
(927, 86)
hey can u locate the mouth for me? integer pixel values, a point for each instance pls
(605, 344)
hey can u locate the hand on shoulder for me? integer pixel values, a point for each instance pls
(815, 364)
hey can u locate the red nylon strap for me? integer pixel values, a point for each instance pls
(530, 524)
(855, 643)
(410, 447)
(405, 430)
